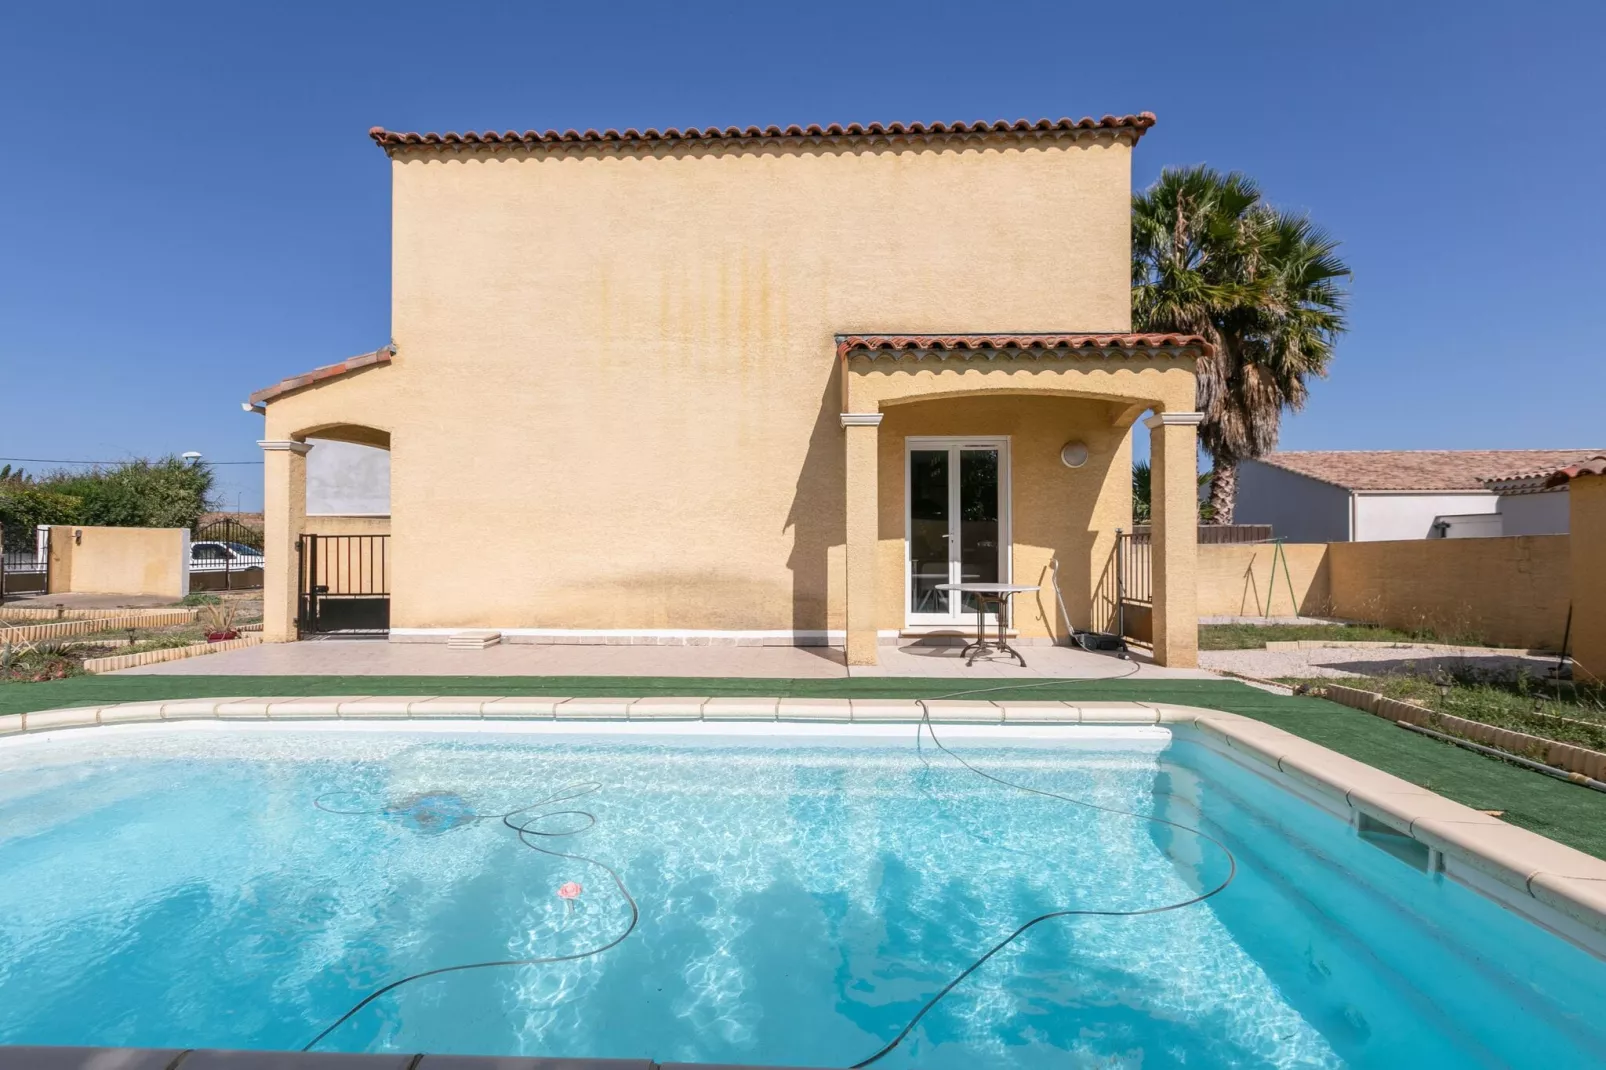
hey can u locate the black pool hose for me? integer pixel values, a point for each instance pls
(523, 828)
(925, 727)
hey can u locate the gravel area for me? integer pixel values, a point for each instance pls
(1344, 662)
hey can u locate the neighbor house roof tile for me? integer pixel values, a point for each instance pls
(1594, 466)
(396, 139)
(1419, 470)
(328, 371)
(894, 344)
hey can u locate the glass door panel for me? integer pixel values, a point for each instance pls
(958, 524)
(929, 537)
(978, 520)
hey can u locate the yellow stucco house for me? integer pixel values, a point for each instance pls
(755, 386)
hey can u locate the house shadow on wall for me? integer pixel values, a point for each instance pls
(817, 516)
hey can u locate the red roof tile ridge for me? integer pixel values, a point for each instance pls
(1031, 340)
(393, 139)
(328, 371)
(1594, 466)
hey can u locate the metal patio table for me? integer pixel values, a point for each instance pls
(994, 594)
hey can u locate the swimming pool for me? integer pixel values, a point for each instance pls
(782, 898)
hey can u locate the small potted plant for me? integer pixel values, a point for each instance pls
(219, 622)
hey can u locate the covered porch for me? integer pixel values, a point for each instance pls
(1007, 459)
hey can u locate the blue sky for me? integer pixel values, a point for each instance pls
(190, 207)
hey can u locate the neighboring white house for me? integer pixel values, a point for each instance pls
(1376, 495)
(1528, 507)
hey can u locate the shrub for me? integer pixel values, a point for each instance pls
(165, 493)
(24, 506)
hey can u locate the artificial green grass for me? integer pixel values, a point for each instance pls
(1565, 812)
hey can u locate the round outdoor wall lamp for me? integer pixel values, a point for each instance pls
(1074, 454)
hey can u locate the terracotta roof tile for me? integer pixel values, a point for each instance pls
(1594, 466)
(1423, 470)
(893, 345)
(395, 139)
(328, 371)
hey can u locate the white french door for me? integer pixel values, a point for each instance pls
(956, 524)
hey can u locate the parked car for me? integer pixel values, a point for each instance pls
(208, 556)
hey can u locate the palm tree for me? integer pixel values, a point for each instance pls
(1264, 287)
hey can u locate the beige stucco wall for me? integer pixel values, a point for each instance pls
(332, 524)
(91, 560)
(1235, 580)
(1507, 591)
(616, 377)
(1588, 509)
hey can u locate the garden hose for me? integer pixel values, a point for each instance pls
(524, 828)
(926, 727)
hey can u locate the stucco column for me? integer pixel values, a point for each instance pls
(1174, 509)
(1587, 547)
(284, 514)
(863, 531)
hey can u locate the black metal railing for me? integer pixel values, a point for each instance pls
(344, 583)
(1219, 534)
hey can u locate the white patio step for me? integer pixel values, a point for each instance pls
(474, 640)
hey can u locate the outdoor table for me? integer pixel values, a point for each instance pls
(997, 594)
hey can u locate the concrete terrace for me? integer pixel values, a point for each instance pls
(376, 657)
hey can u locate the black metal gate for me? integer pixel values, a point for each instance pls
(1134, 585)
(345, 584)
(226, 555)
(25, 563)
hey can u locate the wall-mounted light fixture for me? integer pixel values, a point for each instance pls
(1074, 454)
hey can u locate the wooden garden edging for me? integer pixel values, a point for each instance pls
(66, 629)
(1564, 756)
(172, 653)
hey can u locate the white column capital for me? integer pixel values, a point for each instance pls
(1174, 419)
(861, 419)
(284, 444)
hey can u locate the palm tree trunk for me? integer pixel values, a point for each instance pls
(1223, 493)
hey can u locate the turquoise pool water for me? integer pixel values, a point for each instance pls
(798, 903)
